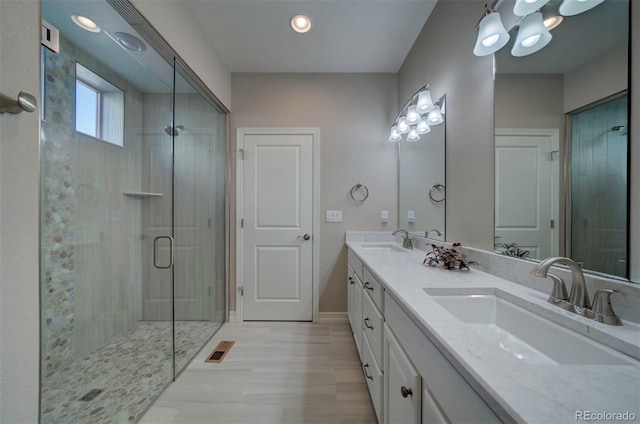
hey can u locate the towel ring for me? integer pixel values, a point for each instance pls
(436, 188)
(360, 197)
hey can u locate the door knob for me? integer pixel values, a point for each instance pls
(405, 392)
(306, 237)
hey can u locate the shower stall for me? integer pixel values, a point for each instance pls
(133, 226)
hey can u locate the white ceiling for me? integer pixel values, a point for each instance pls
(346, 35)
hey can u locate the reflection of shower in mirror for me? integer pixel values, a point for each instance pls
(174, 131)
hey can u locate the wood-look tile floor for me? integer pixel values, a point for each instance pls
(277, 372)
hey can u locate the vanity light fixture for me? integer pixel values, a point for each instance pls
(416, 115)
(413, 136)
(575, 7)
(527, 7)
(423, 127)
(532, 35)
(85, 23)
(492, 36)
(552, 22)
(533, 28)
(300, 23)
(435, 117)
(413, 117)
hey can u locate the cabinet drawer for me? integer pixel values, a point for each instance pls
(374, 289)
(373, 376)
(450, 398)
(372, 326)
(355, 263)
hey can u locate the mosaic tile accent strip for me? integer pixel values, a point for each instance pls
(132, 371)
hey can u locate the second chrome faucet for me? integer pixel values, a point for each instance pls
(406, 240)
(578, 299)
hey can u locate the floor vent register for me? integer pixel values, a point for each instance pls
(220, 351)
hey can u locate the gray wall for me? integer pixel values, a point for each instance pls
(19, 164)
(354, 112)
(442, 55)
(585, 84)
(529, 101)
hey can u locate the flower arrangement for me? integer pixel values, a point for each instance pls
(448, 258)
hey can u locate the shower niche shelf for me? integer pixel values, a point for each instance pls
(141, 194)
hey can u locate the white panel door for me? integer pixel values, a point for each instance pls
(278, 220)
(524, 193)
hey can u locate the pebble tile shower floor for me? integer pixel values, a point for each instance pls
(132, 371)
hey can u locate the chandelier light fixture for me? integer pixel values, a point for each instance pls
(416, 116)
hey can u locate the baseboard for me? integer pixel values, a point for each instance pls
(232, 316)
(333, 318)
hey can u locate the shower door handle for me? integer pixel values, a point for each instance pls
(155, 252)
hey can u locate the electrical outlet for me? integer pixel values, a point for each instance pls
(333, 216)
(411, 216)
(384, 216)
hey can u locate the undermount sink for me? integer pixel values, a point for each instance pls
(522, 333)
(384, 247)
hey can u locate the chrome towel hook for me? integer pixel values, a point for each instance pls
(25, 102)
(359, 193)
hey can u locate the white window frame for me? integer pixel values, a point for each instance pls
(112, 134)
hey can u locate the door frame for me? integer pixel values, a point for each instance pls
(315, 240)
(554, 135)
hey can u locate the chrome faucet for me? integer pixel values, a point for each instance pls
(578, 299)
(406, 241)
(438, 233)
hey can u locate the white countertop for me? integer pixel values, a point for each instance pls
(516, 390)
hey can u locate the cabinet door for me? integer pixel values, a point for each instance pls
(357, 314)
(431, 411)
(351, 282)
(402, 384)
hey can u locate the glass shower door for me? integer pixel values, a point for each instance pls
(199, 181)
(599, 187)
(106, 209)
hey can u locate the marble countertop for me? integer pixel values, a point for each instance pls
(517, 390)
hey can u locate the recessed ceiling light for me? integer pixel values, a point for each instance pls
(301, 23)
(130, 42)
(85, 23)
(552, 22)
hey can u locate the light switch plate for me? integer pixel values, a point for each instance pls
(384, 216)
(333, 216)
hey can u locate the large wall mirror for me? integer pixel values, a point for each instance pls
(422, 191)
(561, 119)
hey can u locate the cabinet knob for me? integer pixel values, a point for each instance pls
(405, 392)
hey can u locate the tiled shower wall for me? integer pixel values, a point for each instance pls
(91, 233)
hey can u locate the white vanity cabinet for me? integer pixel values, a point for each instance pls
(445, 395)
(366, 316)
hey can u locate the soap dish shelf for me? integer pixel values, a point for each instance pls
(141, 194)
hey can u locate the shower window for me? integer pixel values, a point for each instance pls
(99, 107)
